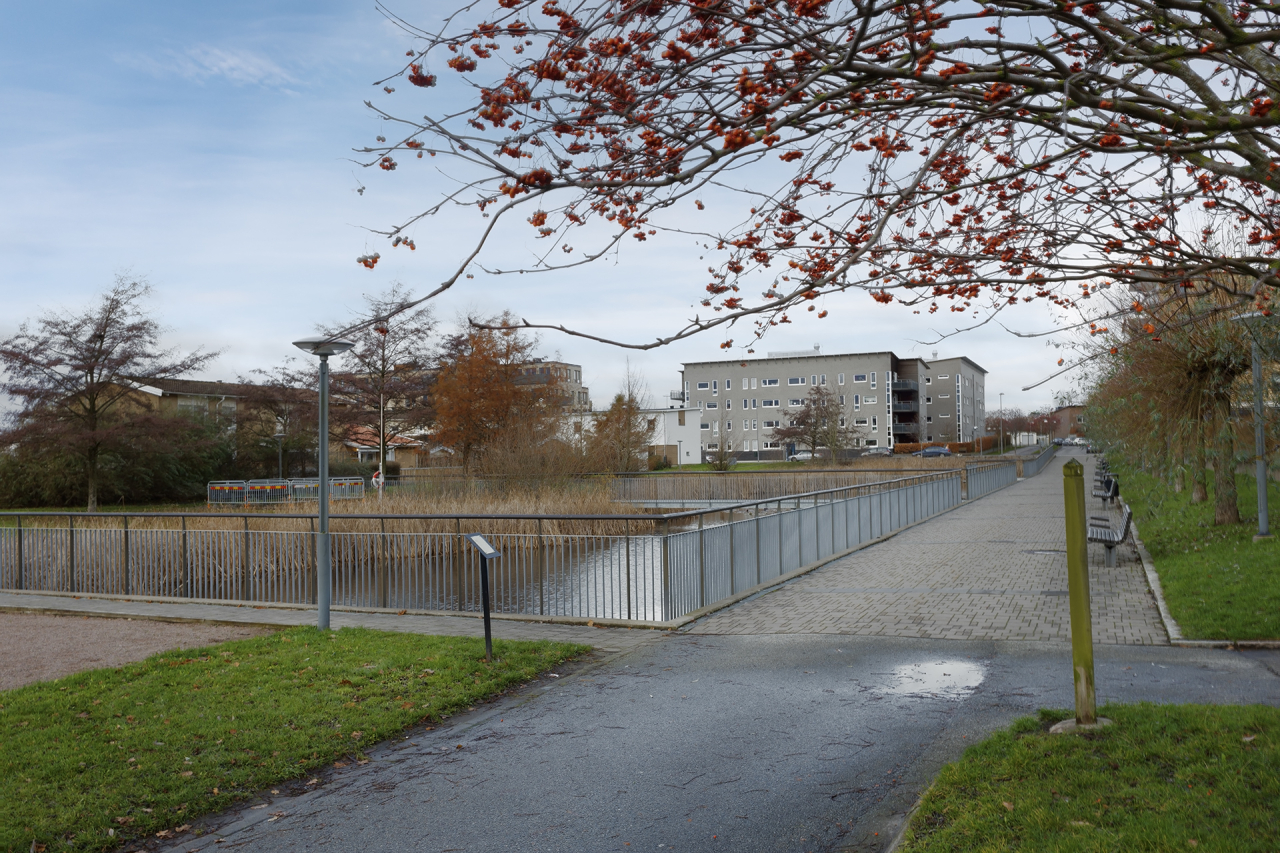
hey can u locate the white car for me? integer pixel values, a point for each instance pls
(801, 456)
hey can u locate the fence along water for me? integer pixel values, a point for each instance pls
(651, 568)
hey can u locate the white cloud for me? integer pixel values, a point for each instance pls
(203, 62)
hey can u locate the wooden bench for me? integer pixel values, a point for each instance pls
(1101, 532)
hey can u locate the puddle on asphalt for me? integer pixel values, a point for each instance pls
(948, 679)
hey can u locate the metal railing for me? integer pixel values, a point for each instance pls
(986, 478)
(257, 492)
(652, 568)
(1031, 467)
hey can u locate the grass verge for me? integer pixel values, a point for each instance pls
(111, 755)
(1219, 583)
(1165, 777)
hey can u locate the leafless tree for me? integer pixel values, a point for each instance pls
(76, 377)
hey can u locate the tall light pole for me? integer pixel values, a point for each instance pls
(1259, 435)
(323, 347)
(1001, 423)
(279, 437)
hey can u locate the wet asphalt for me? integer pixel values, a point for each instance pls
(714, 743)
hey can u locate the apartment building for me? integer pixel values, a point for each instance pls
(888, 398)
(574, 396)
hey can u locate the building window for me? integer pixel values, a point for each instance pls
(928, 438)
(873, 379)
(795, 402)
(753, 403)
(813, 380)
(772, 445)
(842, 422)
(871, 442)
(728, 385)
(680, 417)
(702, 386)
(728, 404)
(713, 405)
(842, 399)
(944, 415)
(944, 375)
(754, 426)
(744, 404)
(728, 425)
(870, 401)
(928, 381)
(768, 383)
(859, 377)
(874, 424)
(705, 426)
(768, 404)
(839, 378)
(753, 384)
(857, 402)
(796, 380)
(928, 419)
(928, 399)
(859, 421)
(713, 446)
(943, 396)
(770, 424)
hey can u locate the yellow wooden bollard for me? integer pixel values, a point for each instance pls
(1078, 586)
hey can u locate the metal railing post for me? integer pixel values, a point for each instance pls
(542, 571)
(733, 574)
(71, 552)
(384, 580)
(1078, 587)
(126, 555)
(702, 567)
(184, 568)
(21, 562)
(755, 517)
(627, 538)
(246, 582)
(668, 601)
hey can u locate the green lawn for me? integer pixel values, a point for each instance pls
(110, 755)
(1164, 777)
(1218, 582)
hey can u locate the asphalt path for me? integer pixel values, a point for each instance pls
(712, 743)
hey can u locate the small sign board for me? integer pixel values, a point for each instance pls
(482, 545)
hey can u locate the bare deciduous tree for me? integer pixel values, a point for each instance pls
(76, 377)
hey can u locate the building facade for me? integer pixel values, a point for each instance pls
(888, 399)
(567, 378)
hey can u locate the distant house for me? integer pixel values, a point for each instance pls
(196, 397)
(1067, 421)
(574, 397)
(361, 443)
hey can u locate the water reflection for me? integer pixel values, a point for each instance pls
(948, 679)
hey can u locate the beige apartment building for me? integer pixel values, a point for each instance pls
(887, 398)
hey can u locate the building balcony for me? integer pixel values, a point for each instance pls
(906, 428)
(905, 406)
(905, 385)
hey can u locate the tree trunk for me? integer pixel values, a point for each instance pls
(1199, 489)
(91, 481)
(1226, 502)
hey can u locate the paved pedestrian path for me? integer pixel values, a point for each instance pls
(995, 569)
(604, 639)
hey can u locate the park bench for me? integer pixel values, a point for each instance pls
(1107, 489)
(1101, 532)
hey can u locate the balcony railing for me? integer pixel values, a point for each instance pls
(906, 406)
(905, 385)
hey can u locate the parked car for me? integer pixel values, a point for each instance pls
(932, 451)
(801, 456)
(879, 451)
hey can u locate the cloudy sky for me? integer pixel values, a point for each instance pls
(208, 147)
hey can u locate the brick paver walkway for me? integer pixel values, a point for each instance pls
(995, 569)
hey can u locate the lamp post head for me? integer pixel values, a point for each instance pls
(324, 346)
(278, 436)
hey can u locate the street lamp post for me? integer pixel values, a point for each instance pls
(279, 437)
(1001, 423)
(323, 347)
(1259, 436)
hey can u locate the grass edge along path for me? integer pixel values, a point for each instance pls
(1219, 583)
(1164, 777)
(103, 757)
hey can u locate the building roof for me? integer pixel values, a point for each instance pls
(193, 387)
(805, 354)
(362, 436)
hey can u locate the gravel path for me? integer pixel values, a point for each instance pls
(38, 647)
